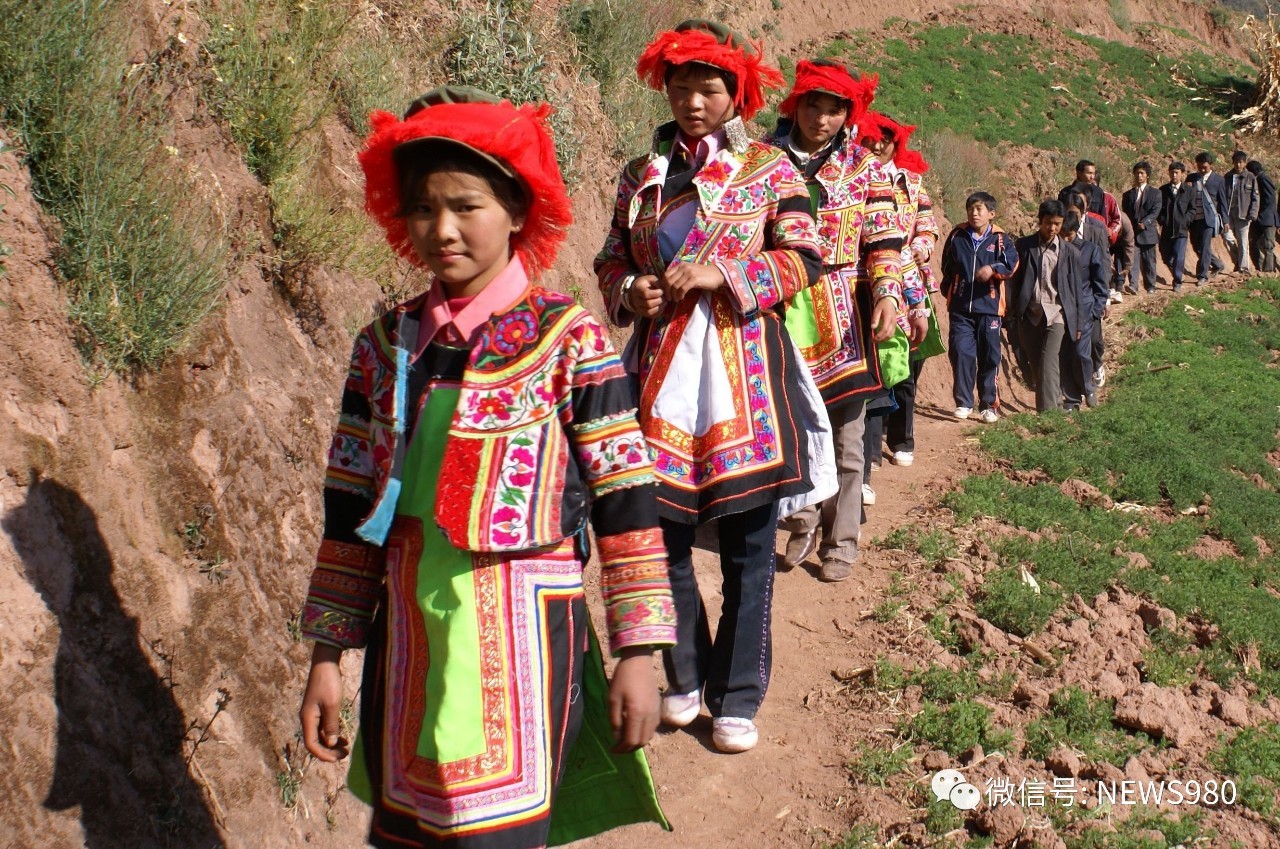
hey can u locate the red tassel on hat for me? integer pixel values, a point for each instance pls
(515, 136)
(716, 45)
(876, 127)
(832, 78)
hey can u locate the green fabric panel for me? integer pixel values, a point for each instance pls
(452, 724)
(800, 320)
(932, 344)
(600, 790)
(895, 358)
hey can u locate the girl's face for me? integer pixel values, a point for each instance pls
(700, 101)
(819, 116)
(884, 149)
(461, 231)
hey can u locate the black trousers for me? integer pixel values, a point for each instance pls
(732, 671)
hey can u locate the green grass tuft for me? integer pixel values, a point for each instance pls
(140, 252)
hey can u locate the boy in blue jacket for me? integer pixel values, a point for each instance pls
(976, 260)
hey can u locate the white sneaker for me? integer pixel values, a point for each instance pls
(1115, 297)
(733, 734)
(963, 412)
(868, 495)
(1099, 377)
(989, 416)
(679, 709)
(903, 458)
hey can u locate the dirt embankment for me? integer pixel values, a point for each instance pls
(158, 533)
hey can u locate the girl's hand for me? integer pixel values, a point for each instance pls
(633, 700)
(984, 274)
(645, 298)
(321, 705)
(884, 319)
(919, 328)
(686, 277)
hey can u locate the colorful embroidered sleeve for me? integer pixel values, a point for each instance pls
(616, 263)
(791, 260)
(624, 510)
(347, 580)
(882, 236)
(924, 235)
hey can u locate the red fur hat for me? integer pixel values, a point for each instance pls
(877, 127)
(713, 44)
(515, 139)
(831, 77)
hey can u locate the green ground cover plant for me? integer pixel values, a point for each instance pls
(140, 254)
(1167, 438)
(1252, 757)
(1123, 92)
(1082, 722)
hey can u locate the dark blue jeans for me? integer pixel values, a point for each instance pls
(975, 353)
(733, 669)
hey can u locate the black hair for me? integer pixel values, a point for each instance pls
(1254, 167)
(1071, 222)
(983, 198)
(1177, 165)
(1239, 156)
(845, 103)
(1083, 164)
(1144, 165)
(1078, 201)
(427, 159)
(730, 80)
(1051, 208)
(1204, 156)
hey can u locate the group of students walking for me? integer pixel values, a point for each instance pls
(1050, 291)
(779, 298)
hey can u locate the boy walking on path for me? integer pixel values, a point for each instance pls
(1262, 234)
(976, 260)
(1243, 204)
(1174, 220)
(1142, 205)
(1208, 215)
(1093, 265)
(1052, 308)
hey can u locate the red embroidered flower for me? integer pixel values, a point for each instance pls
(513, 331)
(714, 172)
(492, 406)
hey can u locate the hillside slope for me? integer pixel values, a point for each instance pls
(158, 531)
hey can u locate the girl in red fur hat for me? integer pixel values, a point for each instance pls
(711, 232)
(482, 423)
(855, 303)
(906, 169)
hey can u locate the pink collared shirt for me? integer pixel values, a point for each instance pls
(705, 150)
(441, 323)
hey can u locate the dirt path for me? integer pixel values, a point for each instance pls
(790, 791)
(793, 789)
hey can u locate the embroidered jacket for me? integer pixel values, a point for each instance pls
(544, 431)
(916, 219)
(861, 239)
(725, 442)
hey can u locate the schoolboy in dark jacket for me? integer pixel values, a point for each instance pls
(1175, 218)
(1142, 205)
(976, 260)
